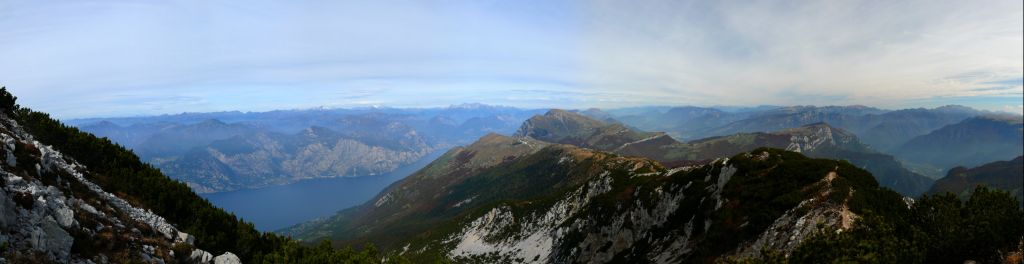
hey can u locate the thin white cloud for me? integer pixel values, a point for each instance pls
(90, 58)
(867, 52)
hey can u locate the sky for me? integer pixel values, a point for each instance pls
(92, 58)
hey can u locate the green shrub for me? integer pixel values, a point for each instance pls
(937, 229)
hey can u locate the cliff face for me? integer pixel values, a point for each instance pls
(49, 212)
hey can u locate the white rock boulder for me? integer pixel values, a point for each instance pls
(227, 258)
(200, 256)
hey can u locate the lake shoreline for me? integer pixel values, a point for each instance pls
(272, 208)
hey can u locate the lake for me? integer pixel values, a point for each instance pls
(276, 207)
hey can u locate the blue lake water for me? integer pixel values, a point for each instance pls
(277, 207)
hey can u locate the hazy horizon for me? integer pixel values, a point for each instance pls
(726, 108)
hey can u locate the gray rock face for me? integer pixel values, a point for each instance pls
(46, 237)
(8, 213)
(786, 233)
(183, 237)
(540, 237)
(46, 203)
(55, 240)
(38, 221)
(64, 216)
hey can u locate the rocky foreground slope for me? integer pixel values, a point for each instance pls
(70, 197)
(49, 212)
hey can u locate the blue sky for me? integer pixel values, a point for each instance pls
(125, 58)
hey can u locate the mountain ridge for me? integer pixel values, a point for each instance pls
(818, 139)
(477, 203)
(592, 193)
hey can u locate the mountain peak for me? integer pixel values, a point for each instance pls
(500, 145)
(493, 137)
(557, 124)
(566, 127)
(812, 136)
(572, 114)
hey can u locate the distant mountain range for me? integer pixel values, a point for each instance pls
(815, 140)
(928, 141)
(881, 129)
(972, 142)
(868, 137)
(279, 147)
